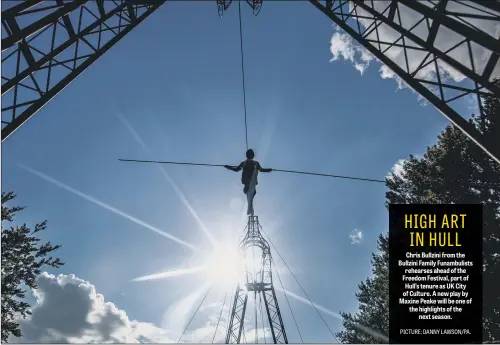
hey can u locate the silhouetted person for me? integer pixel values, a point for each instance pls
(251, 169)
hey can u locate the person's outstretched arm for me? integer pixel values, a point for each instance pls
(234, 168)
(264, 170)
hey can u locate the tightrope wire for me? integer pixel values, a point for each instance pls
(276, 170)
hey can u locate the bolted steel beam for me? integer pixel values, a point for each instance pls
(82, 30)
(366, 21)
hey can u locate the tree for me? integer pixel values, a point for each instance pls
(373, 297)
(454, 170)
(23, 257)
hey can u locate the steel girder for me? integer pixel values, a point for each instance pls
(236, 328)
(261, 284)
(49, 44)
(237, 319)
(274, 317)
(411, 47)
(442, 49)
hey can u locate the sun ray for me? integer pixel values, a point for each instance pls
(365, 329)
(179, 193)
(107, 207)
(169, 274)
(177, 315)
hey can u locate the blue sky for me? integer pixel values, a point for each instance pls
(171, 90)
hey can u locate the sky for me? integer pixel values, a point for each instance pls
(172, 90)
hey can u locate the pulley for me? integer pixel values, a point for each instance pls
(223, 5)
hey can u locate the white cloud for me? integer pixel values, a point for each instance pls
(397, 169)
(342, 45)
(69, 310)
(356, 236)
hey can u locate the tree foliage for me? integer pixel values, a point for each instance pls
(453, 171)
(371, 323)
(23, 257)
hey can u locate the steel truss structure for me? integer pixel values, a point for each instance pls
(442, 49)
(223, 5)
(261, 284)
(58, 41)
(48, 45)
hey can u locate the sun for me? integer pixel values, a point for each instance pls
(225, 266)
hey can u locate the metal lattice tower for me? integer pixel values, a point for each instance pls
(260, 282)
(48, 44)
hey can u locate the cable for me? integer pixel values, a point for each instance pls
(244, 333)
(185, 329)
(166, 162)
(278, 170)
(329, 175)
(220, 315)
(243, 74)
(287, 301)
(304, 291)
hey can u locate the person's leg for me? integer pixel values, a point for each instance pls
(250, 196)
(249, 201)
(253, 196)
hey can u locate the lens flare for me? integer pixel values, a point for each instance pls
(226, 266)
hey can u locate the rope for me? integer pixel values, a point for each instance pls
(220, 315)
(304, 291)
(185, 329)
(278, 170)
(243, 74)
(287, 301)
